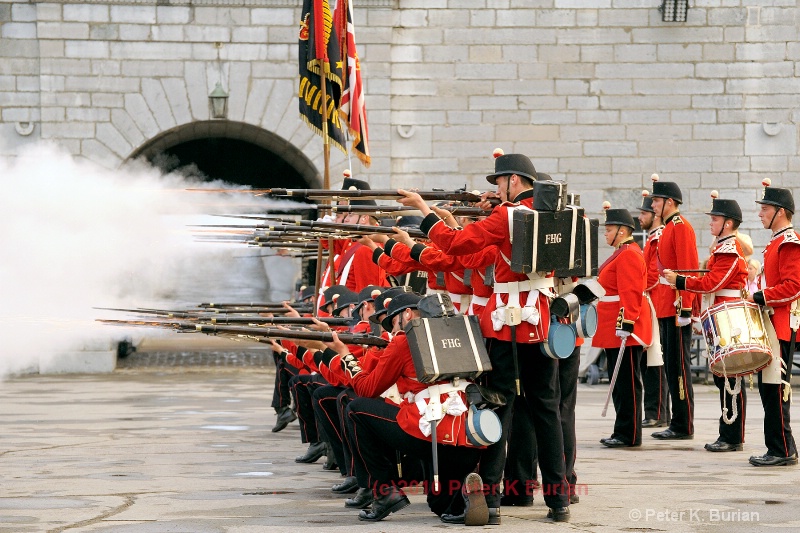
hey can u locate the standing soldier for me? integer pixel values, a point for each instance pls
(656, 392)
(727, 272)
(781, 290)
(677, 250)
(623, 313)
(516, 321)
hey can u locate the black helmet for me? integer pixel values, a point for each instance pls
(725, 208)
(329, 293)
(367, 294)
(647, 203)
(388, 294)
(307, 291)
(507, 164)
(342, 300)
(618, 217)
(666, 189)
(398, 304)
(777, 197)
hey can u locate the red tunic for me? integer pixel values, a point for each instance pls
(727, 269)
(623, 276)
(661, 295)
(396, 366)
(399, 260)
(782, 278)
(494, 230)
(363, 271)
(677, 250)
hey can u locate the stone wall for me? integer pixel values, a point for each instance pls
(600, 96)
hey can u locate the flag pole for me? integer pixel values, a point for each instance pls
(326, 152)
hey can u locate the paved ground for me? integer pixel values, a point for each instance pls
(191, 451)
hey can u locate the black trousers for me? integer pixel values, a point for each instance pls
(302, 387)
(627, 394)
(777, 431)
(656, 392)
(329, 423)
(539, 381)
(731, 433)
(676, 345)
(568, 370)
(284, 372)
(375, 431)
(522, 458)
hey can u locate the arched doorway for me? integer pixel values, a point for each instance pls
(239, 154)
(234, 152)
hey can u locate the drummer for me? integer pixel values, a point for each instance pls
(781, 291)
(726, 276)
(623, 313)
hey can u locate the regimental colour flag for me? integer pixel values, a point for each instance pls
(353, 107)
(319, 60)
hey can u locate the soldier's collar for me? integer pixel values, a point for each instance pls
(672, 216)
(629, 240)
(527, 193)
(781, 231)
(652, 231)
(725, 238)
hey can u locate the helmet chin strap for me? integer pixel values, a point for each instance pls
(508, 189)
(772, 221)
(616, 235)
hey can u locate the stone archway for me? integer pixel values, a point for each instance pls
(239, 154)
(235, 152)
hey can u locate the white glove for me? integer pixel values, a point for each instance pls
(327, 218)
(531, 315)
(623, 333)
(684, 321)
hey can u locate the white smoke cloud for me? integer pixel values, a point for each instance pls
(76, 236)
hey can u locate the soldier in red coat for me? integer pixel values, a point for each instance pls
(624, 313)
(780, 291)
(376, 426)
(656, 392)
(677, 250)
(516, 321)
(727, 272)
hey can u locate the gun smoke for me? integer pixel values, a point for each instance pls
(77, 236)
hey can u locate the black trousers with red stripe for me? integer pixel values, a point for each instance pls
(627, 394)
(327, 414)
(376, 435)
(302, 387)
(777, 431)
(676, 346)
(284, 372)
(656, 392)
(732, 433)
(539, 380)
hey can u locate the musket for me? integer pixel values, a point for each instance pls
(255, 332)
(290, 226)
(459, 195)
(399, 210)
(275, 305)
(224, 318)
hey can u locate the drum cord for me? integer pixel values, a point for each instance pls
(733, 392)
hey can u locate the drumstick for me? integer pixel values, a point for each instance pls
(616, 371)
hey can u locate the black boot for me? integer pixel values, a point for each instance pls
(285, 417)
(330, 460)
(348, 486)
(361, 500)
(315, 451)
(385, 505)
(476, 513)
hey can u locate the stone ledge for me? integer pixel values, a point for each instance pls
(225, 3)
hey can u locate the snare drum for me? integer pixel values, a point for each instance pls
(736, 338)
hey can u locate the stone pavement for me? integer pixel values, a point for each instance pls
(192, 452)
